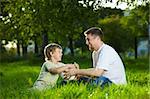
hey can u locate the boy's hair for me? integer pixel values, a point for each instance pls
(95, 31)
(50, 48)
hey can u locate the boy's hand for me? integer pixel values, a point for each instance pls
(70, 66)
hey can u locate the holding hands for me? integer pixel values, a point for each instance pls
(72, 66)
(69, 72)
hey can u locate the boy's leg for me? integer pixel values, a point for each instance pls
(64, 82)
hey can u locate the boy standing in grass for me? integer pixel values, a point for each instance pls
(51, 68)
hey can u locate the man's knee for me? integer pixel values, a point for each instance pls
(102, 81)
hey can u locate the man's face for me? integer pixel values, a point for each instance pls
(92, 41)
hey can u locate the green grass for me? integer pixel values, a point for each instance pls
(17, 77)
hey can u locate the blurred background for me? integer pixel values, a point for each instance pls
(27, 26)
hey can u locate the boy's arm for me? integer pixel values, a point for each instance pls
(57, 70)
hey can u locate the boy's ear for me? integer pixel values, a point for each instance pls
(51, 53)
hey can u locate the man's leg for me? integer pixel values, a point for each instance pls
(84, 80)
(102, 81)
(98, 81)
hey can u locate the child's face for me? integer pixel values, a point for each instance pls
(57, 54)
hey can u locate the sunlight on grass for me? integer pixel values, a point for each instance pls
(16, 78)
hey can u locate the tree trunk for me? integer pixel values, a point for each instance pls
(44, 43)
(0, 46)
(149, 47)
(71, 45)
(135, 44)
(18, 47)
(36, 46)
(24, 50)
(0, 8)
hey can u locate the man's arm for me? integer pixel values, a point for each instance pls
(86, 72)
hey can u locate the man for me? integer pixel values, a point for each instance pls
(107, 64)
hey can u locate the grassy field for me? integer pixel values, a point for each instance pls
(17, 77)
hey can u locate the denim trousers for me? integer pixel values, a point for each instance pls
(98, 81)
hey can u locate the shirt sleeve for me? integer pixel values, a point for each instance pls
(49, 65)
(61, 64)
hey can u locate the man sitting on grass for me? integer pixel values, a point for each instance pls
(107, 65)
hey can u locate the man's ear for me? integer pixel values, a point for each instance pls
(98, 38)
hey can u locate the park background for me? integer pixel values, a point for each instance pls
(27, 26)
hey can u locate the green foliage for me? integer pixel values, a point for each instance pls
(115, 31)
(20, 16)
(60, 19)
(17, 78)
(65, 20)
(125, 28)
(138, 20)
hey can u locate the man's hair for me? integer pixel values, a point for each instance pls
(95, 31)
(50, 48)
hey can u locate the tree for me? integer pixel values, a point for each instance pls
(18, 22)
(35, 18)
(64, 20)
(53, 20)
(138, 22)
(128, 27)
(115, 33)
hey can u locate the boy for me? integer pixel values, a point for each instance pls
(52, 67)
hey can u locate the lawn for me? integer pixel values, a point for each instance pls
(17, 77)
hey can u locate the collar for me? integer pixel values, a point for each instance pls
(100, 48)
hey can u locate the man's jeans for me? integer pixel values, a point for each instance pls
(99, 81)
